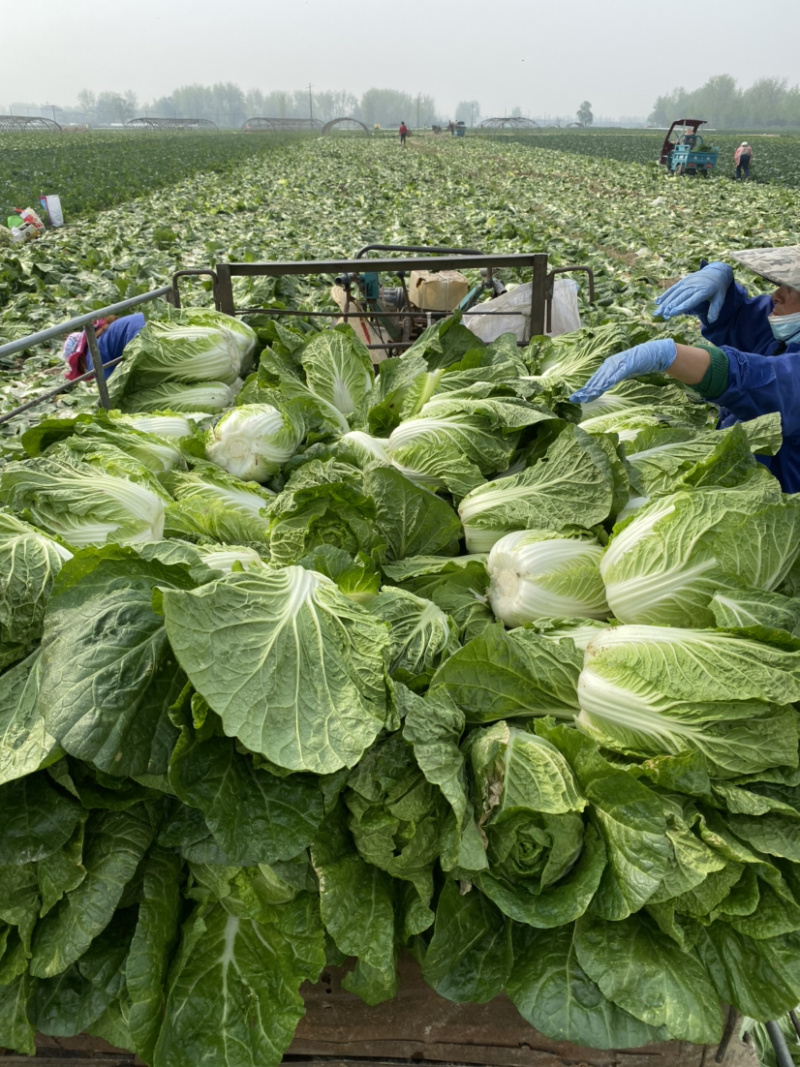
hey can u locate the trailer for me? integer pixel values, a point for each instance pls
(418, 1026)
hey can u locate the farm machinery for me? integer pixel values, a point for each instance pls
(387, 318)
(429, 286)
(399, 313)
(683, 151)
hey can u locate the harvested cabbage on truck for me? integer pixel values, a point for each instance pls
(376, 666)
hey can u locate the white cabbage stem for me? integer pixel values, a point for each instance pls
(225, 557)
(538, 574)
(253, 441)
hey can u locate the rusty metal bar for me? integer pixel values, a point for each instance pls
(224, 295)
(586, 270)
(340, 266)
(366, 314)
(417, 248)
(190, 272)
(538, 293)
(97, 366)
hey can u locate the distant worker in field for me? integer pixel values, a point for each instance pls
(451, 127)
(112, 333)
(403, 130)
(751, 365)
(741, 158)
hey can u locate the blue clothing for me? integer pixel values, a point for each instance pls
(112, 341)
(763, 375)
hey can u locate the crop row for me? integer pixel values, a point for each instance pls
(94, 171)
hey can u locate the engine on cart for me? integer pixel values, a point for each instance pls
(393, 316)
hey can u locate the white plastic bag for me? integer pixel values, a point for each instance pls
(491, 319)
(566, 318)
(52, 205)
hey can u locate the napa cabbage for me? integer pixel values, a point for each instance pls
(254, 440)
(207, 397)
(572, 358)
(661, 690)
(164, 424)
(572, 485)
(83, 504)
(173, 352)
(338, 369)
(243, 337)
(538, 573)
(213, 505)
(29, 563)
(421, 635)
(228, 558)
(664, 564)
(544, 861)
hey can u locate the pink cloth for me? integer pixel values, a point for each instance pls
(742, 150)
(73, 355)
(75, 348)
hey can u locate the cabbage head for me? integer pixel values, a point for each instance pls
(171, 351)
(207, 397)
(338, 369)
(545, 861)
(83, 504)
(541, 574)
(253, 441)
(213, 505)
(664, 565)
(29, 563)
(662, 691)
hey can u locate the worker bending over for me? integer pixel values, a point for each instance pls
(741, 159)
(112, 334)
(751, 366)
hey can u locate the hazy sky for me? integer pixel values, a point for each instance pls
(543, 57)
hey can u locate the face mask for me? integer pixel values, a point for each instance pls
(785, 327)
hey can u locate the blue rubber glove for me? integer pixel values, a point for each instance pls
(641, 359)
(709, 284)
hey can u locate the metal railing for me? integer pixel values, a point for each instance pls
(222, 276)
(536, 262)
(81, 322)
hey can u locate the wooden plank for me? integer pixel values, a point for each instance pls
(79, 1051)
(94, 1049)
(419, 1025)
(66, 1060)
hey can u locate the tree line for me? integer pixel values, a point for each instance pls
(724, 104)
(228, 105)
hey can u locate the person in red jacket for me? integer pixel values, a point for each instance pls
(403, 130)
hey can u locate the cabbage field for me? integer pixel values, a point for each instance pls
(307, 665)
(775, 154)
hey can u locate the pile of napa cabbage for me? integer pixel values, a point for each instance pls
(428, 660)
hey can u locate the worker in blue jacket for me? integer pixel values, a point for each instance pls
(112, 334)
(115, 336)
(750, 367)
